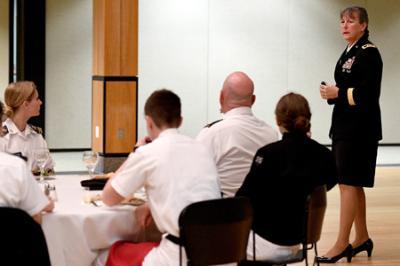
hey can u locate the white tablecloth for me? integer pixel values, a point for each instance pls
(77, 232)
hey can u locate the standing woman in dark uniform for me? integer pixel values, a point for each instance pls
(356, 129)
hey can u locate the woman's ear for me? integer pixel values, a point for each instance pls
(25, 104)
(364, 26)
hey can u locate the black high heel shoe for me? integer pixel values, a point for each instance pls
(348, 253)
(366, 246)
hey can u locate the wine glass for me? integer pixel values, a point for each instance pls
(41, 156)
(90, 160)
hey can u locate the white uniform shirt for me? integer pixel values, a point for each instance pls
(24, 142)
(18, 188)
(175, 171)
(234, 142)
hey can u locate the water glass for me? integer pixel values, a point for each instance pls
(41, 157)
(90, 160)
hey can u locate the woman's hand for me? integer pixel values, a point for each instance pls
(328, 91)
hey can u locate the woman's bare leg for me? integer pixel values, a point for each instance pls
(360, 220)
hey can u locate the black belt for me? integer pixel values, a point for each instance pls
(174, 239)
(177, 241)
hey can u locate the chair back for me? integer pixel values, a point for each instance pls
(22, 239)
(216, 231)
(316, 214)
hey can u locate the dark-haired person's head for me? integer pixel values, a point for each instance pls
(293, 114)
(162, 111)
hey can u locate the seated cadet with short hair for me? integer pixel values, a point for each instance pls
(235, 139)
(175, 171)
(21, 103)
(18, 188)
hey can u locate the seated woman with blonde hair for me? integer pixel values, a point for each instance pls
(18, 137)
(18, 189)
(281, 177)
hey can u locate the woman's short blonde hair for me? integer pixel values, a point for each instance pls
(15, 95)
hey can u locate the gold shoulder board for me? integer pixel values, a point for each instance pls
(365, 46)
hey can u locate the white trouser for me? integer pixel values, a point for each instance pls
(266, 250)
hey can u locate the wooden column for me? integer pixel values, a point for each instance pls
(114, 80)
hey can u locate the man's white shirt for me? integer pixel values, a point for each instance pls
(234, 142)
(18, 188)
(175, 171)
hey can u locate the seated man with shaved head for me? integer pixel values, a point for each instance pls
(235, 139)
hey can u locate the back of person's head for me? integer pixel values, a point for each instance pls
(237, 91)
(164, 107)
(15, 95)
(293, 113)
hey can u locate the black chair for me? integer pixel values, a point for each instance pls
(316, 214)
(315, 206)
(215, 231)
(22, 239)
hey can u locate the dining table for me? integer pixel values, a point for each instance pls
(81, 227)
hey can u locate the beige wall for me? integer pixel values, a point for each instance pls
(68, 73)
(385, 33)
(287, 45)
(191, 45)
(4, 44)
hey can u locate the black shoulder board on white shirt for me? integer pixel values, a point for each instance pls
(19, 154)
(212, 123)
(4, 131)
(38, 130)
